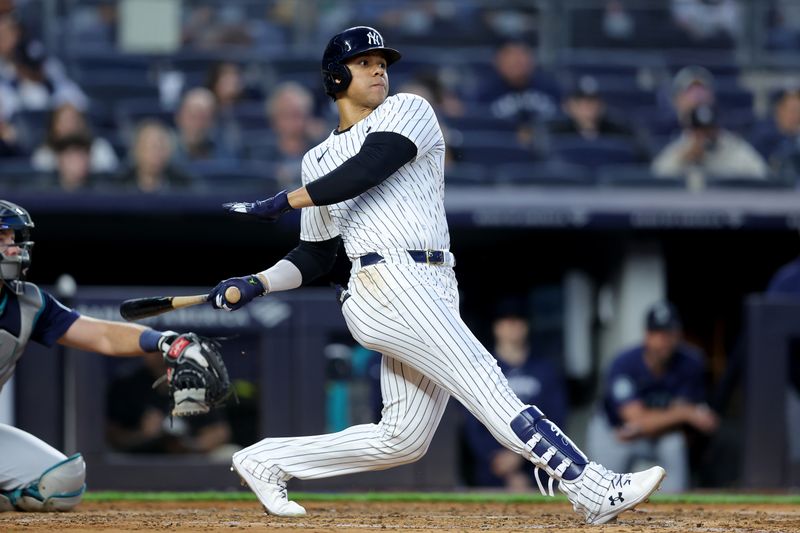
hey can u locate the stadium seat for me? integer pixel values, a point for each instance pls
(739, 182)
(549, 173)
(234, 175)
(594, 153)
(131, 111)
(634, 176)
(479, 121)
(489, 153)
(461, 174)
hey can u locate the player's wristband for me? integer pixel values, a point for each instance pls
(148, 340)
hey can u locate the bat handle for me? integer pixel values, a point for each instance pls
(232, 294)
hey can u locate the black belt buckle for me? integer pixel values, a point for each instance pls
(434, 257)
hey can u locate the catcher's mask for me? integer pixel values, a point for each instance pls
(350, 43)
(14, 264)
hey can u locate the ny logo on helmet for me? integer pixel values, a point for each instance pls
(374, 38)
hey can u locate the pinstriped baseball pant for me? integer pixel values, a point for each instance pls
(409, 313)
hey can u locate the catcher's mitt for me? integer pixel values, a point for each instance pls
(196, 374)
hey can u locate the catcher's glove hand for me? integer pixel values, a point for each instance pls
(197, 377)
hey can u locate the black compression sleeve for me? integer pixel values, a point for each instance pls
(314, 259)
(382, 153)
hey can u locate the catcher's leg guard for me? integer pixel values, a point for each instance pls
(5, 503)
(59, 488)
(594, 491)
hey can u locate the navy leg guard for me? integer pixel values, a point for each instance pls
(551, 450)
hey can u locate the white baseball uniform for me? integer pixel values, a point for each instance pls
(406, 310)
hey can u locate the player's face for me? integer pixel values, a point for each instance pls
(7, 247)
(661, 344)
(370, 84)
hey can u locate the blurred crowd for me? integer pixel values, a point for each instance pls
(236, 107)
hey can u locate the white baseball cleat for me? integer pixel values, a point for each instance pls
(600, 494)
(271, 494)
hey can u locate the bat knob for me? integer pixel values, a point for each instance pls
(232, 294)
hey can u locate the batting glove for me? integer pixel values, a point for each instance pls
(269, 210)
(249, 287)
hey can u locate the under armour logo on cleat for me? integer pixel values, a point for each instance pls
(322, 155)
(619, 498)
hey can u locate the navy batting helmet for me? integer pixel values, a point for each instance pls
(14, 267)
(350, 43)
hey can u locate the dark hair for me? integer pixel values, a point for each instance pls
(50, 138)
(215, 73)
(73, 140)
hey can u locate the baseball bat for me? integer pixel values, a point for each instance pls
(155, 305)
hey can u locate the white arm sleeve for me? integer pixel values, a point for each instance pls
(282, 276)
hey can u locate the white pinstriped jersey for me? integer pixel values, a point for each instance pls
(406, 211)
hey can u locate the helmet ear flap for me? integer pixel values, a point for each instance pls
(337, 78)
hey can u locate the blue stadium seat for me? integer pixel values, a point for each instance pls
(634, 176)
(110, 87)
(479, 121)
(234, 175)
(550, 173)
(488, 153)
(461, 174)
(734, 182)
(251, 116)
(599, 152)
(131, 111)
(18, 173)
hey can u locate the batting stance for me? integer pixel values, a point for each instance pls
(377, 183)
(34, 476)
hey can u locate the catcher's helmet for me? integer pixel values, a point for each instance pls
(350, 43)
(14, 267)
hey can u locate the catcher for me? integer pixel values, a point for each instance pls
(33, 475)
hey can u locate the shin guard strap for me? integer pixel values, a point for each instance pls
(550, 447)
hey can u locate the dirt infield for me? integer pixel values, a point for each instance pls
(379, 516)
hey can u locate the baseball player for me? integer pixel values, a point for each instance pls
(377, 183)
(33, 475)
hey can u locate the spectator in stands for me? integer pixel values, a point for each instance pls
(150, 169)
(707, 148)
(10, 35)
(10, 145)
(691, 86)
(779, 133)
(429, 84)
(226, 81)
(290, 112)
(651, 394)
(212, 27)
(65, 120)
(535, 379)
(518, 91)
(198, 137)
(139, 421)
(39, 82)
(73, 170)
(783, 25)
(586, 115)
(709, 23)
(777, 138)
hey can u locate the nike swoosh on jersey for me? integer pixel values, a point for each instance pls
(322, 155)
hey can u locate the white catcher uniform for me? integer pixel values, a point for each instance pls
(408, 311)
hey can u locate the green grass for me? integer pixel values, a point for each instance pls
(455, 497)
